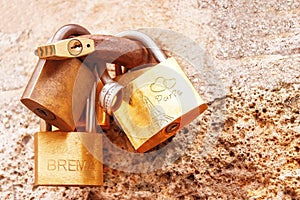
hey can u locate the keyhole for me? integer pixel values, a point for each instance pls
(41, 112)
(172, 127)
(45, 114)
(75, 47)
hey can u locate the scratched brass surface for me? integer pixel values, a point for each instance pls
(156, 104)
(64, 158)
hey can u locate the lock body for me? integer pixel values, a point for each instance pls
(51, 88)
(157, 102)
(49, 91)
(65, 158)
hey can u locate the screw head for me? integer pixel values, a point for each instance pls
(75, 47)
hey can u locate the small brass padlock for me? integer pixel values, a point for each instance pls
(153, 103)
(65, 158)
(49, 91)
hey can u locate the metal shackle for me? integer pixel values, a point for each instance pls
(111, 95)
(146, 41)
(67, 31)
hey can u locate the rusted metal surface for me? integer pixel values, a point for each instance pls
(118, 50)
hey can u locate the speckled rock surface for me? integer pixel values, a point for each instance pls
(253, 46)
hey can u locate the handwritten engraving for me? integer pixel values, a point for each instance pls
(161, 84)
(164, 85)
(158, 117)
(143, 112)
(173, 94)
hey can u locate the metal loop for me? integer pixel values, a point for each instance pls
(146, 41)
(111, 93)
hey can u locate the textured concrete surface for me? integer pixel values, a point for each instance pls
(253, 45)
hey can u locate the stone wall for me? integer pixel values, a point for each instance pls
(253, 46)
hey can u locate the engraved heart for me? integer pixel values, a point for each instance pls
(158, 85)
(170, 83)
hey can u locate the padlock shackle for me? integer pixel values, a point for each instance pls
(68, 31)
(146, 41)
(120, 51)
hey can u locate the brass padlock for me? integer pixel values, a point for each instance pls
(69, 158)
(62, 158)
(49, 91)
(153, 103)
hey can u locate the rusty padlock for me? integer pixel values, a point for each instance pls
(151, 104)
(49, 91)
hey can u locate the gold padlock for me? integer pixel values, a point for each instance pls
(65, 158)
(153, 103)
(50, 89)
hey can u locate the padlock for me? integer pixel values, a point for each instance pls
(153, 103)
(69, 158)
(62, 158)
(50, 89)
